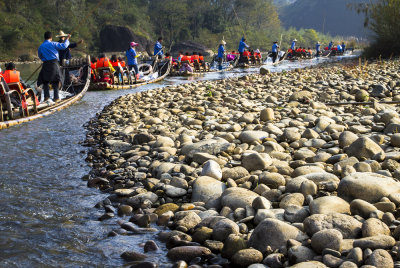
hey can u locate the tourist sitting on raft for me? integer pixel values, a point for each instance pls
(231, 56)
(186, 65)
(174, 61)
(119, 71)
(203, 63)
(104, 62)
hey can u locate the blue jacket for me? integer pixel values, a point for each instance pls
(48, 50)
(318, 47)
(242, 45)
(339, 47)
(330, 45)
(275, 47)
(158, 49)
(343, 47)
(293, 45)
(221, 51)
(131, 55)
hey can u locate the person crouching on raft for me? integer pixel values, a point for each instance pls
(131, 55)
(221, 54)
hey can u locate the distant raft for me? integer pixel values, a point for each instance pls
(150, 71)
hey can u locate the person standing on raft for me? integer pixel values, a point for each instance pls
(158, 48)
(132, 56)
(221, 54)
(274, 53)
(318, 49)
(242, 47)
(293, 46)
(48, 52)
(66, 53)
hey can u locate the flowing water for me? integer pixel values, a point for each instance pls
(47, 214)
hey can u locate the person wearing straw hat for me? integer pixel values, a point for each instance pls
(132, 56)
(66, 53)
(221, 54)
(293, 46)
(48, 52)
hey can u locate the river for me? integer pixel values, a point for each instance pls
(47, 216)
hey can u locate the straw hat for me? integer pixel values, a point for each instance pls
(62, 34)
(133, 44)
(295, 40)
(223, 42)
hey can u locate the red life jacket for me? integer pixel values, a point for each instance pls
(103, 63)
(122, 63)
(246, 54)
(195, 58)
(114, 63)
(201, 58)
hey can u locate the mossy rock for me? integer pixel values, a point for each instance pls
(165, 208)
(202, 234)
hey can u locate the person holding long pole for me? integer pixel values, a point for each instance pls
(48, 52)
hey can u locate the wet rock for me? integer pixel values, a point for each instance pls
(150, 246)
(246, 257)
(187, 253)
(133, 256)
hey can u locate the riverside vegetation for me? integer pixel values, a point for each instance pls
(257, 171)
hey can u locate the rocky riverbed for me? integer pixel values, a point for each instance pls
(257, 171)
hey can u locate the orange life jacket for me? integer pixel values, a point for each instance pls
(11, 76)
(122, 63)
(195, 58)
(103, 63)
(201, 58)
(93, 65)
(246, 54)
(290, 50)
(185, 58)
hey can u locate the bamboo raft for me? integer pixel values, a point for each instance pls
(44, 110)
(162, 68)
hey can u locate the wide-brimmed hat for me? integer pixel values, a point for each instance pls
(133, 44)
(318, 43)
(295, 40)
(223, 42)
(62, 34)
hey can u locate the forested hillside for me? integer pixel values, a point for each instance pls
(22, 23)
(327, 16)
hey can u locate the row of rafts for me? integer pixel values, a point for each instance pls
(19, 105)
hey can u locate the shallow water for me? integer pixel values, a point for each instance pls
(47, 217)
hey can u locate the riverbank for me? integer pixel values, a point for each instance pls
(256, 169)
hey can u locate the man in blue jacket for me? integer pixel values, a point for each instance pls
(221, 54)
(274, 53)
(242, 47)
(293, 46)
(158, 48)
(48, 52)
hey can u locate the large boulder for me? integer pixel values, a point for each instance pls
(367, 186)
(211, 146)
(329, 204)
(206, 188)
(347, 225)
(116, 38)
(274, 233)
(237, 198)
(190, 46)
(363, 147)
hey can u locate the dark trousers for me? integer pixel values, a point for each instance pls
(241, 59)
(135, 67)
(274, 55)
(220, 63)
(46, 90)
